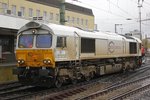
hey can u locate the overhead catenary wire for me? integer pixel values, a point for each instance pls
(121, 9)
(147, 3)
(144, 2)
(145, 24)
(144, 9)
(116, 4)
(106, 11)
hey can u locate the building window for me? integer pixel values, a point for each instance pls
(22, 10)
(57, 17)
(86, 22)
(37, 13)
(4, 7)
(68, 19)
(95, 26)
(82, 21)
(51, 16)
(7, 43)
(44, 15)
(30, 12)
(13, 9)
(73, 20)
(78, 21)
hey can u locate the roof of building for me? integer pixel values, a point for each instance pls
(70, 7)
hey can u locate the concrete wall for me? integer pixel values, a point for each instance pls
(6, 74)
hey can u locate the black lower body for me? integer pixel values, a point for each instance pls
(74, 70)
(35, 76)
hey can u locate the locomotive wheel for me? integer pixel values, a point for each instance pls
(134, 67)
(87, 78)
(91, 75)
(124, 70)
(58, 83)
(74, 81)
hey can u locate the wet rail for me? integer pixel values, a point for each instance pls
(112, 88)
(9, 86)
(130, 93)
(34, 92)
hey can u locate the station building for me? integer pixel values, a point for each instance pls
(16, 13)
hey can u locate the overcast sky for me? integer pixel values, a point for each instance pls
(110, 12)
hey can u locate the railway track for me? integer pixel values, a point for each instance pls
(10, 86)
(12, 93)
(76, 89)
(102, 94)
(103, 83)
(130, 93)
(27, 92)
(68, 90)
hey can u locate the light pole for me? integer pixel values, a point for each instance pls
(62, 12)
(140, 20)
(121, 30)
(139, 6)
(116, 27)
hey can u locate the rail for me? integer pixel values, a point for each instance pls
(114, 87)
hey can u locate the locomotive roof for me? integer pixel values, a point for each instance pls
(137, 39)
(61, 30)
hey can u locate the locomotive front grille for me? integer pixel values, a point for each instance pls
(35, 58)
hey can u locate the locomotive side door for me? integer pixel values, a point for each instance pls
(77, 45)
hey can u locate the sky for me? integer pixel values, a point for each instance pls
(110, 12)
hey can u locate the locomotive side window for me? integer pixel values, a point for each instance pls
(140, 45)
(61, 42)
(25, 41)
(87, 45)
(44, 41)
(133, 48)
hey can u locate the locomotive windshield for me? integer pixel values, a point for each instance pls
(26, 41)
(41, 40)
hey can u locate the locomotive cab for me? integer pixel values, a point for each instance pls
(34, 53)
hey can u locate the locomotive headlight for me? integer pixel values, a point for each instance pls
(46, 61)
(34, 31)
(21, 61)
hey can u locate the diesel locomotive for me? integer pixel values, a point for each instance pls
(50, 54)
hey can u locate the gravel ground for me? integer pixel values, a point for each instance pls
(145, 95)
